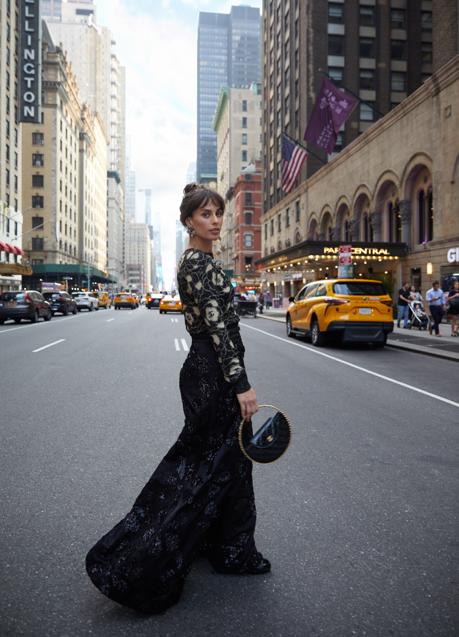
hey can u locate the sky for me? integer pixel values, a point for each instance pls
(156, 41)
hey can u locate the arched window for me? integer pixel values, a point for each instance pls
(430, 213)
(421, 217)
(347, 229)
(394, 221)
(366, 227)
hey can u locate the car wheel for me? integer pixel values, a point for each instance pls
(2, 321)
(65, 312)
(290, 332)
(381, 343)
(97, 308)
(35, 317)
(317, 337)
(75, 311)
(90, 308)
(17, 320)
(48, 316)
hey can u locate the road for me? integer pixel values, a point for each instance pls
(359, 518)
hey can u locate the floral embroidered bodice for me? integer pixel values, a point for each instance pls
(208, 305)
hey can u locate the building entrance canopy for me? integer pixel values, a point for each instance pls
(309, 252)
(78, 272)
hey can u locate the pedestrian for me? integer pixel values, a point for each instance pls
(402, 305)
(415, 295)
(268, 300)
(261, 301)
(453, 308)
(200, 498)
(436, 300)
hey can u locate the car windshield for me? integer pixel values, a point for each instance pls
(359, 288)
(11, 296)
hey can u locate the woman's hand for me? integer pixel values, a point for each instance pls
(248, 403)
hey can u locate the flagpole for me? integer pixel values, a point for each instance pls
(310, 152)
(375, 110)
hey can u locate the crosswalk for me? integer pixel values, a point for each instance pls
(179, 344)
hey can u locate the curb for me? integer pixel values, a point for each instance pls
(416, 349)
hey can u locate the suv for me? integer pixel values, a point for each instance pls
(357, 310)
(85, 301)
(61, 302)
(28, 304)
(153, 300)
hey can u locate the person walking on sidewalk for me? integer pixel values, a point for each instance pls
(435, 297)
(453, 308)
(402, 305)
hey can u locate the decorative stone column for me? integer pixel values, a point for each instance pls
(376, 222)
(405, 214)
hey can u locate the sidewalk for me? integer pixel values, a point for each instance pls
(414, 340)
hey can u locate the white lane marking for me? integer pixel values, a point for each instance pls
(23, 327)
(40, 349)
(177, 346)
(184, 344)
(358, 367)
(108, 320)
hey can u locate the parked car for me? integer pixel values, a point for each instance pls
(153, 301)
(28, 304)
(170, 304)
(357, 310)
(61, 303)
(85, 301)
(125, 299)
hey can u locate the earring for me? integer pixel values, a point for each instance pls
(190, 231)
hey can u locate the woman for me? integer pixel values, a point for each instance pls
(415, 295)
(453, 308)
(200, 498)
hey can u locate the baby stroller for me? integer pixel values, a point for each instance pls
(418, 316)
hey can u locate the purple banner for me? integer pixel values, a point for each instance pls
(332, 108)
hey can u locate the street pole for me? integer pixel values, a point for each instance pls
(89, 278)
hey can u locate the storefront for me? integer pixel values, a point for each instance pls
(71, 276)
(285, 273)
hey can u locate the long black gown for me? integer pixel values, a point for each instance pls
(200, 497)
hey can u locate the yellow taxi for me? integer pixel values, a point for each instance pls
(104, 299)
(125, 299)
(170, 303)
(357, 310)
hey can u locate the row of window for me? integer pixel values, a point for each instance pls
(367, 48)
(367, 16)
(279, 220)
(367, 78)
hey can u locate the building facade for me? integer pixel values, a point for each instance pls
(11, 266)
(381, 51)
(115, 231)
(138, 257)
(247, 197)
(228, 55)
(393, 194)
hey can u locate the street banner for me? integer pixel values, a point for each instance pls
(345, 255)
(332, 108)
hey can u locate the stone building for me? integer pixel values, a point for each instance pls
(138, 257)
(393, 194)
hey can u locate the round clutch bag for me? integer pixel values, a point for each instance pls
(271, 438)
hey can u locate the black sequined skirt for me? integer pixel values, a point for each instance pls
(199, 498)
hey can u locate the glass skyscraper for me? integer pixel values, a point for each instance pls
(229, 54)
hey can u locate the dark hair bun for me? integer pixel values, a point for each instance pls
(190, 188)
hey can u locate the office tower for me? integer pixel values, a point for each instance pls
(228, 55)
(138, 257)
(10, 150)
(68, 10)
(381, 51)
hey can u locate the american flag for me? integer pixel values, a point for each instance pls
(293, 157)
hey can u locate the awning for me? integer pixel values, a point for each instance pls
(7, 247)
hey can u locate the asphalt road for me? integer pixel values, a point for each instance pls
(359, 518)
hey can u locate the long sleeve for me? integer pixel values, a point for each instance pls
(211, 291)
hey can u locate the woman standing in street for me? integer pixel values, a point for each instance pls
(200, 498)
(453, 308)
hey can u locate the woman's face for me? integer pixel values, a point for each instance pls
(207, 221)
(456, 286)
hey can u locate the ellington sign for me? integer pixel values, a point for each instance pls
(30, 62)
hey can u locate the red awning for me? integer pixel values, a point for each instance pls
(7, 247)
(17, 250)
(2, 246)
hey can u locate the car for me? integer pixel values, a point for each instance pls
(153, 301)
(61, 303)
(85, 301)
(104, 299)
(357, 310)
(170, 303)
(125, 299)
(27, 304)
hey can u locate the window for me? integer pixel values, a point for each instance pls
(367, 16)
(426, 52)
(248, 262)
(398, 19)
(37, 201)
(37, 139)
(247, 218)
(38, 159)
(248, 240)
(37, 243)
(37, 181)
(37, 222)
(367, 47)
(271, 228)
(366, 112)
(398, 49)
(398, 81)
(244, 155)
(248, 198)
(297, 211)
(367, 79)
(266, 231)
(426, 21)
(244, 106)
(279, 223)
(335, 13)
(336, 75)
(244, 122)
(287, 217)
(359, 288)
(336, 45)
(244, 138)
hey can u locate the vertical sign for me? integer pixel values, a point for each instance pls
(345, 268)
(30, 62)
